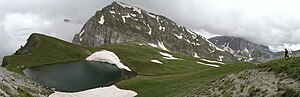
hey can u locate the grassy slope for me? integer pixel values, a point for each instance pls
(289, 66)
(168, 79)
(48, 50)
(178, 84)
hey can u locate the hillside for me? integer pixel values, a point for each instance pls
(184, 72)
(40, 50)
(274, 78)
(121, 23)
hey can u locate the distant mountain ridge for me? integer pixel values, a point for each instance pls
(120, 22)
(247, 51)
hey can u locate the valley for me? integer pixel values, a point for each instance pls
(126, 51)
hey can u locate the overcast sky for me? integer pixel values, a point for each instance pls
(275, 23)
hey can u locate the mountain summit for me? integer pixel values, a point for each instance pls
(120, 22)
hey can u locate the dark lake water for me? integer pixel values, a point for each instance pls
(77, 76)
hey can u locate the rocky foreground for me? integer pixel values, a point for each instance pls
(251, 83)
(16, 85)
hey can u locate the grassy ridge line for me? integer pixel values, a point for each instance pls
(48, 50)
(289, 66)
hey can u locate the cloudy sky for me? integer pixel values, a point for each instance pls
(275, 23)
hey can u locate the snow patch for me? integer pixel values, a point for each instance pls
(178, 36)
(196, 55)
(210, 61)
(112, 12)
(124, 17)
(133, 15)
(111, 91)
(217, 48)
(162, 46)
(153, 45)
(160, 27)
(150, 31)
(246, 50)
(151, 15)
(194, 35)
(210, 51)
(128, 6)
(168, 56)
(240, 58)
(250, 57)
(193, 43)
(137, 10)
(156, 61)
(208, 64)
(80, 34)
(228, 49)
(138, 27)
(213, 45)
(187, 40)
(107, 56)
(101, 20)
(221, 58)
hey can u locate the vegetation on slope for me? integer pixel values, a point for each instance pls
(274, 78)
(179, 84)
(289, 66)
(172, 78)
(41, 50)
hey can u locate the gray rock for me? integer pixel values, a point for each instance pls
(248, 51)
(250, 83)
(16, 85)
(242, 49)
(120, 23)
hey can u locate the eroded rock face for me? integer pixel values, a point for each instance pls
(252, 83)
(119, 23)
(15, 85)
(242, 49)
(248, 51)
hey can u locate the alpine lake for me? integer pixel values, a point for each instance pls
(78, 76)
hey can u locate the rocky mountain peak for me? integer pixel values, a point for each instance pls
(120, 22)
(243, 49)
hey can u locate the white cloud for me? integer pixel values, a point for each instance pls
(16, 27)
(206, 34)
(268, 22)
(292, 47)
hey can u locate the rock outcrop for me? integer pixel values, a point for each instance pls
(247, 51)
(119, 23)
(253, 83)
(16, 85)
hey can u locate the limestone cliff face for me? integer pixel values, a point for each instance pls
(242, 49)
(248, 51)
(119, 23)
